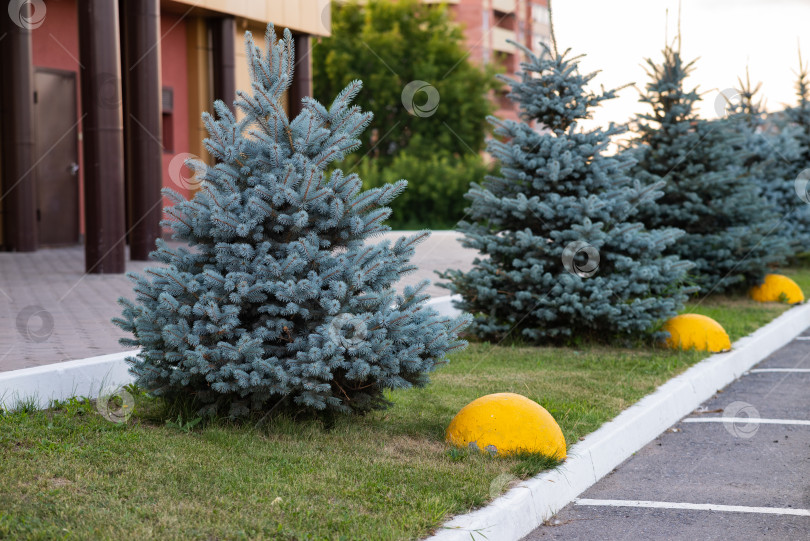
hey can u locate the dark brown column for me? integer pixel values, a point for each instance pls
(142, 122)
(223, 33)
(17, 134)
(302, 79)
(99, 55)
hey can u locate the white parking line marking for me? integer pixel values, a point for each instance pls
(799, 370)
(745, 420)
(695, 506)
(802, 338)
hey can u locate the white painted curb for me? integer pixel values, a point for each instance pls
(444, 305)
(59, 381)
(525, 507)
(86, 377)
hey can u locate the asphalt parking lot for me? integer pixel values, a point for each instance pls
(738, 467)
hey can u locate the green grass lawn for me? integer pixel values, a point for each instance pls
(741, 316)
(69, 473)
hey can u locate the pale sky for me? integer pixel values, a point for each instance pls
(726, 35)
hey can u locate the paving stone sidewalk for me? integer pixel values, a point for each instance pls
(50, 311)
(743, 463)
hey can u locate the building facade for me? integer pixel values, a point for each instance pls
(488, 27)
(101, 103)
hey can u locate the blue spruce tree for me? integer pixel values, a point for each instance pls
(799, 115)
(562, 257)
(796, 121)
(280, 298)
(732, 235)
(772, 151)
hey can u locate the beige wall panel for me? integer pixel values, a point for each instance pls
(505, 6)
(499, 37)
(307, 16)
(200, 96)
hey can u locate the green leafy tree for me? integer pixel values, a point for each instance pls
(417, 78)
(436, 187)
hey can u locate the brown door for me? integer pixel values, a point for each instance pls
(56, 157)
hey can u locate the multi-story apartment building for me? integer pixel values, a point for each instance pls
(489, 25)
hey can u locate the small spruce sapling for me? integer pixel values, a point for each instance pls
(280, 297)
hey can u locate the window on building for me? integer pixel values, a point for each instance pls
(504, 20)
(507, 60)
(540, 14)
(502, 99)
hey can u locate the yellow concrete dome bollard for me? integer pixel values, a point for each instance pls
(777, 288)
(689, 331)
(507, 423)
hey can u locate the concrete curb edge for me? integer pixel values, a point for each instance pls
(59, 381)
(86, 377)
